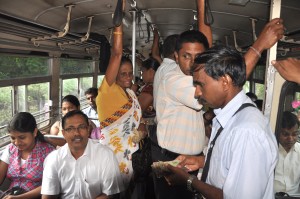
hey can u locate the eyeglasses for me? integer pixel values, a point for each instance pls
(80, 129)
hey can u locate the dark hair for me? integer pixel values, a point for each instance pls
(71, 114)
(289, 120)
(191, 36)
(252, 96)
(169, 45)
(125, 59)
(219, 61)
(92, 90)
(72, 99)
(24, 122)
(150, 63)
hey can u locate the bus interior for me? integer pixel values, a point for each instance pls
(49, 49)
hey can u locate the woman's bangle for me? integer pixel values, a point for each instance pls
(256, 51)
(118, 33)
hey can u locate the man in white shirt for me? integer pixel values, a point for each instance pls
(91, 111)
(243, 150)
(168, 63)
(82, 168)
(287, 172)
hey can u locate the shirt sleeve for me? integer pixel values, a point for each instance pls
(180, 88)
(5, 155)
(250, 165)
(50, 183)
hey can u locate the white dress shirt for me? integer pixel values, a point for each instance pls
(165, 66)
(95, 172)
(92, 115)
(245, 154)
(180, 126)
(287, 172)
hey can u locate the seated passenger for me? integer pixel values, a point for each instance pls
(22, 160)
(91, 111)
(76, 170)
(68, 103)
(287, 172)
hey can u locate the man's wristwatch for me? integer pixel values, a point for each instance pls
(189, 183)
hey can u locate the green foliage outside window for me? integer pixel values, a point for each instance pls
(14, 67)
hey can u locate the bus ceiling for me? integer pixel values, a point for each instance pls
(65, 26)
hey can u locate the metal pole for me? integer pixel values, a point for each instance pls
(270, 73)
(133, 39)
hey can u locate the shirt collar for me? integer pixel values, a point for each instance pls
(67, 152)
(225, 114)
(294, 148)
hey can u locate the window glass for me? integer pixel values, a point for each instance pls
(14, 67)
(70, 87)
(260, 90)
(246, 87)
(75, 66)
(85, 83)
(259, 72)
(100, 79)
(289, 101)
(6, 109)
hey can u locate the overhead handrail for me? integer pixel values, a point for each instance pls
(82, 39)
(253, 23)
(67, 26)
(235, 42)
(59, 34)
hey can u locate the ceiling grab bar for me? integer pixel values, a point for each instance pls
(58, 34)
(235, 43)
(67, 26)
(253, 23)
(87, 35)
(82, 39)
(226, 40)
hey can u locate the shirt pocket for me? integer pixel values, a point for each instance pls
(92, 187)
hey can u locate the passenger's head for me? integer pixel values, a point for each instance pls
(125, 74)
(189, 44)
(149, 66)
(219, 74)
(252, 96)
(69, 103)
(169, 46)
(288, 134)
(76, 130)
(91, 95)
(23, 131)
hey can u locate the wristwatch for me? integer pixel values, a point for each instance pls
(189, 182)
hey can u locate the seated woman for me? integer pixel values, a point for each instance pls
(68, 103)
(22, 160)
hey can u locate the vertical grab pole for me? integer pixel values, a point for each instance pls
(133, 40)
(271, 55)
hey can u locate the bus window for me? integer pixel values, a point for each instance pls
(100, 79)
(290, 92)
(6, 109)
(70, 87)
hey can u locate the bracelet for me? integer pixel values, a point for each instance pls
(256, 51)
(189, 183)
(118, 33)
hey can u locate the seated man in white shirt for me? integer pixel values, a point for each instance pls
(76, 170)
(91, 111)
(287, 172)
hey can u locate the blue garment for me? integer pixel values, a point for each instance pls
(245, 153)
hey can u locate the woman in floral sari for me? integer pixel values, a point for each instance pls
(118, 108)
